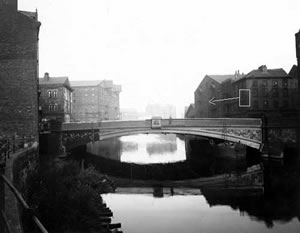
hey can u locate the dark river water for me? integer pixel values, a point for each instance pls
(271, 207)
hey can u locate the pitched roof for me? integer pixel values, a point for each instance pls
(272, 73)
(293, 71)
(56, 81)
(32, 15)
(190, 112)
(85, 83)
(221, 78)
(53, 80)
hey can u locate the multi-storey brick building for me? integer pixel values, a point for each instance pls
(55, 98)
(110, 100)
(211, 87)
(19, 32)
(273, 93)
(94, 101)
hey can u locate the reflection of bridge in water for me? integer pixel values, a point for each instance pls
(247, 131)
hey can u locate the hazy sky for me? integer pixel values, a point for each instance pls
(160, 50)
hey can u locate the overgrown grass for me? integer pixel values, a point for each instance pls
(67, 198)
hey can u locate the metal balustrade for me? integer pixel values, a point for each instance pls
(4, 225)
(5, 150)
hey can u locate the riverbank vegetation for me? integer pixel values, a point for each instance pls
(67, 198)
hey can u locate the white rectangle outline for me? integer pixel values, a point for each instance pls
(244, 106)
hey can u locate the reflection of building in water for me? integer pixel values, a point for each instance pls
(158, 191)
(161, 148)
(109, 149)
(169, 137)
(166, 144)
(278, 202)
(129, 146)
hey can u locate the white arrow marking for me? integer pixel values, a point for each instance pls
(212, 100)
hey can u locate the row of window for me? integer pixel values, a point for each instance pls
(52, 93)
(53, 107)
(267, 104)
(266, 92)
(275, 83)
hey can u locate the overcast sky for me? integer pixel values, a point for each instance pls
(160, 50)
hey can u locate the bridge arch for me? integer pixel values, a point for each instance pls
(203, 133)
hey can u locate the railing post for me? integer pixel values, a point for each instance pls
(14, 144)
(7, 149)
(2, 197)
(23, 141)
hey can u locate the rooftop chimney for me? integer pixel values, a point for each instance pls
(46, 76)
(237, 74)
(263, 68)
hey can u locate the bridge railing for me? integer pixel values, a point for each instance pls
(104, 124)
(4, 222)
(213, 122)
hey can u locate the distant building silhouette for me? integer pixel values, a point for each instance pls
(190, 111)
(162, 110)
(129, 114)
(96, 100)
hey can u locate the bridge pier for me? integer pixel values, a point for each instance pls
(51, 143)
(265, 146)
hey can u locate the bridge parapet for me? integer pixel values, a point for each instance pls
(213, 122)
(193, 122)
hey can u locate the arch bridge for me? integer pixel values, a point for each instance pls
(247, 131)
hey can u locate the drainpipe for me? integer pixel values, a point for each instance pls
(2, 197)
(297, 35)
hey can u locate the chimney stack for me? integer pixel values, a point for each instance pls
(46, 76)
(263, 68)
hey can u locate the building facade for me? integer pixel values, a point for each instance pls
(95, 101)
(110, 100)
(273, 93)
(209, 88)
(190, 111)
(19, 32)
(55, 99)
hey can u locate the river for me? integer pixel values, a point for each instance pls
(273, 207)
